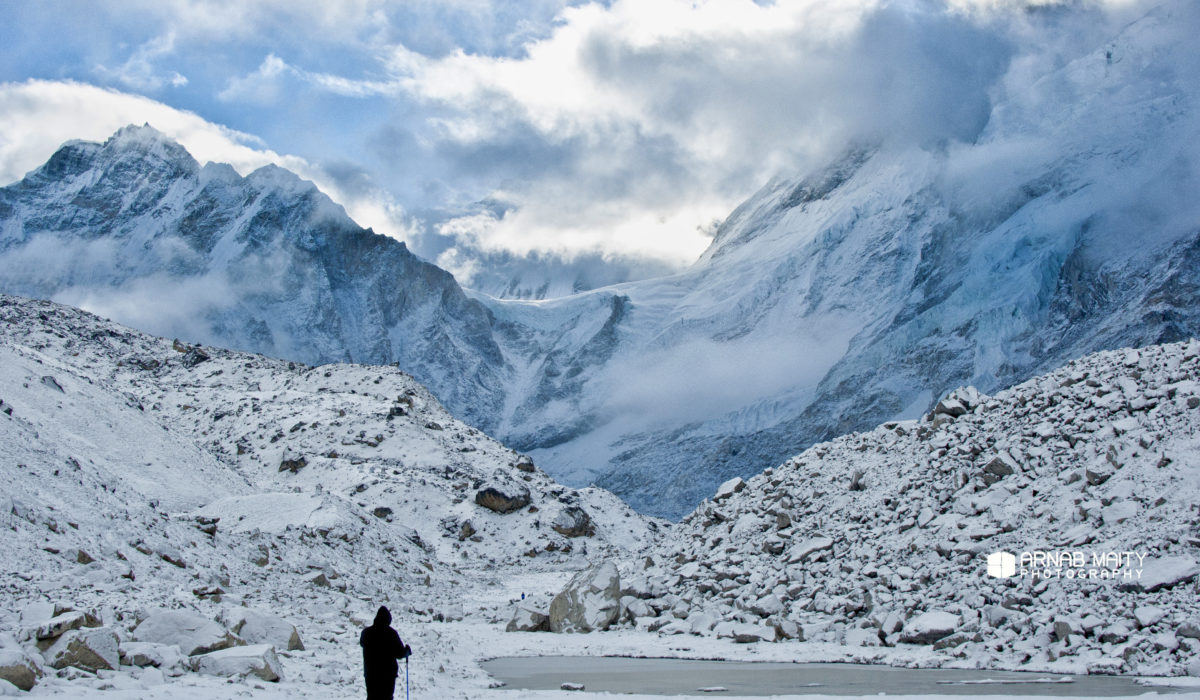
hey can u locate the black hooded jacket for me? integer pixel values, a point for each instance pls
(382, 647)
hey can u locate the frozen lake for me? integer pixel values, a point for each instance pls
(719, 678)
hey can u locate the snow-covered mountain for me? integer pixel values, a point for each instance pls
(143, 473)
(880, 540)
(136, 229)
(864, 291)
(828, 302)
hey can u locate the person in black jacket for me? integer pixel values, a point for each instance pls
(381, 648)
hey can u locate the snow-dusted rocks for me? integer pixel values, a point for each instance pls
(258, 660)
(929, 627)
(591, 601)
(905, 559)
(19, 668)
(91, 649)
(192, 633)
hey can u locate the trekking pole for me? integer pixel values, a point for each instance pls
(406, 678)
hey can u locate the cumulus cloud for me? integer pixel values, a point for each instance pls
(632, 126)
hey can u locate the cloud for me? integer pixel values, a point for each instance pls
(39, 116)
(631, 127)
(139, 71)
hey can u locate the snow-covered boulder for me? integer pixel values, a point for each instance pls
(929, 627)
(1147, 615)
(767, 605)
(257, 627)
(591, 601)
(862, 637)
(806, 548)
(192, 633)
(150, 655)
(573, 521)
(527, 619)
(255, 660)
(749, 633)
(19, 668)
(1163, 573)
(92, 649)
(59, 625)
(729, 488)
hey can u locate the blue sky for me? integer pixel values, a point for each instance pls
(525, 139)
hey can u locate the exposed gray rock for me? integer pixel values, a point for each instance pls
(503, 498)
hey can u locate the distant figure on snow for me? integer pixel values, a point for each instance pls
(382, 647)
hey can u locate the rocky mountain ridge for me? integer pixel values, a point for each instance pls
(894, 537)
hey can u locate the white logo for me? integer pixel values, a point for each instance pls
(1001, 565)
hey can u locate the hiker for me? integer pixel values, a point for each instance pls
(382, 647)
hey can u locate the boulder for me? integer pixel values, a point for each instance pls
(1189, 629)
(573, 521)
(19, 668)
(503, 498)
(749, 633)
(949, 407)
(1147, 615)
(255, 660)
(149, 655)
(929, 627)
(59, 625)
(1166, 572)
(92, 649)
(257, 627)
(192, 633)
(862, 637)
(767, 605)
(292, 462)
(526, 619)
(591, 601)
(806, 548)
(729, 488)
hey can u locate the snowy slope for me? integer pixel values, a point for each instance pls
(879, 539)
(144, 473)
